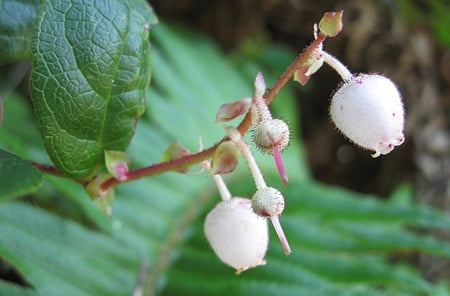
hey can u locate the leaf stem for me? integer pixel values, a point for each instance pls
(52, 170)
(47, 168)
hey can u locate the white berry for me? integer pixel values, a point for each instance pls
(236, 234)
(368, 110)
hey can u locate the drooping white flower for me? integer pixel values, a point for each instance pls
(368, 110)
(236, 234)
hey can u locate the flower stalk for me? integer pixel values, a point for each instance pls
(339, 67)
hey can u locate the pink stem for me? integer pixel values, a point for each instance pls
(279, 230)
(279, 163)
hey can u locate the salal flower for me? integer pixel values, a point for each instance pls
(368, 110)
(268, 202)
(236, 234)
(270, 135)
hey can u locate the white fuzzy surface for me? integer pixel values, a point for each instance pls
(369, 111)
(237, 235)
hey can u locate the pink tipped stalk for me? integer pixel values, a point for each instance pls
(279, 230)
(279, 163)
(268, 202)
(272, 136)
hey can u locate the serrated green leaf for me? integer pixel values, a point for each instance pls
(91, 68)
(18, 177)
(16, 27)
(160, 218)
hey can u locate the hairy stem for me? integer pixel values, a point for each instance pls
(222, 187)
(334, 63)
(246, 123)
(251, 163)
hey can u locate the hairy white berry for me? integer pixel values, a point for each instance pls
(270, 133)
(268, 202)
(368, 110)
(237, 235)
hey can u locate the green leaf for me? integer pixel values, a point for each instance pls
(43, 247)
(16, 27)
(159, 219)
(91, 68)
(15, 290)
(18, 177)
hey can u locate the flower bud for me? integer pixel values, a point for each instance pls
(237, 235)
(271, 133)
(268, 202)
(272, 136)
(331, 23)
(369, 111)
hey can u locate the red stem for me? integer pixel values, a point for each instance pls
(52, 170)
(192, 159)
(162, 167)
(284, 78)
(47, 168)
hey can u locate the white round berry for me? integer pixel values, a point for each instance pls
(368, 110)
(270, 133)
(268, 202)
(236, 234)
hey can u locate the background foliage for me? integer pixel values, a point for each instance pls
(56, 241)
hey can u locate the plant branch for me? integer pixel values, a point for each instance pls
(196, 158)
(52, 170)
(301, 59)
(162, 167)
(47, 168)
